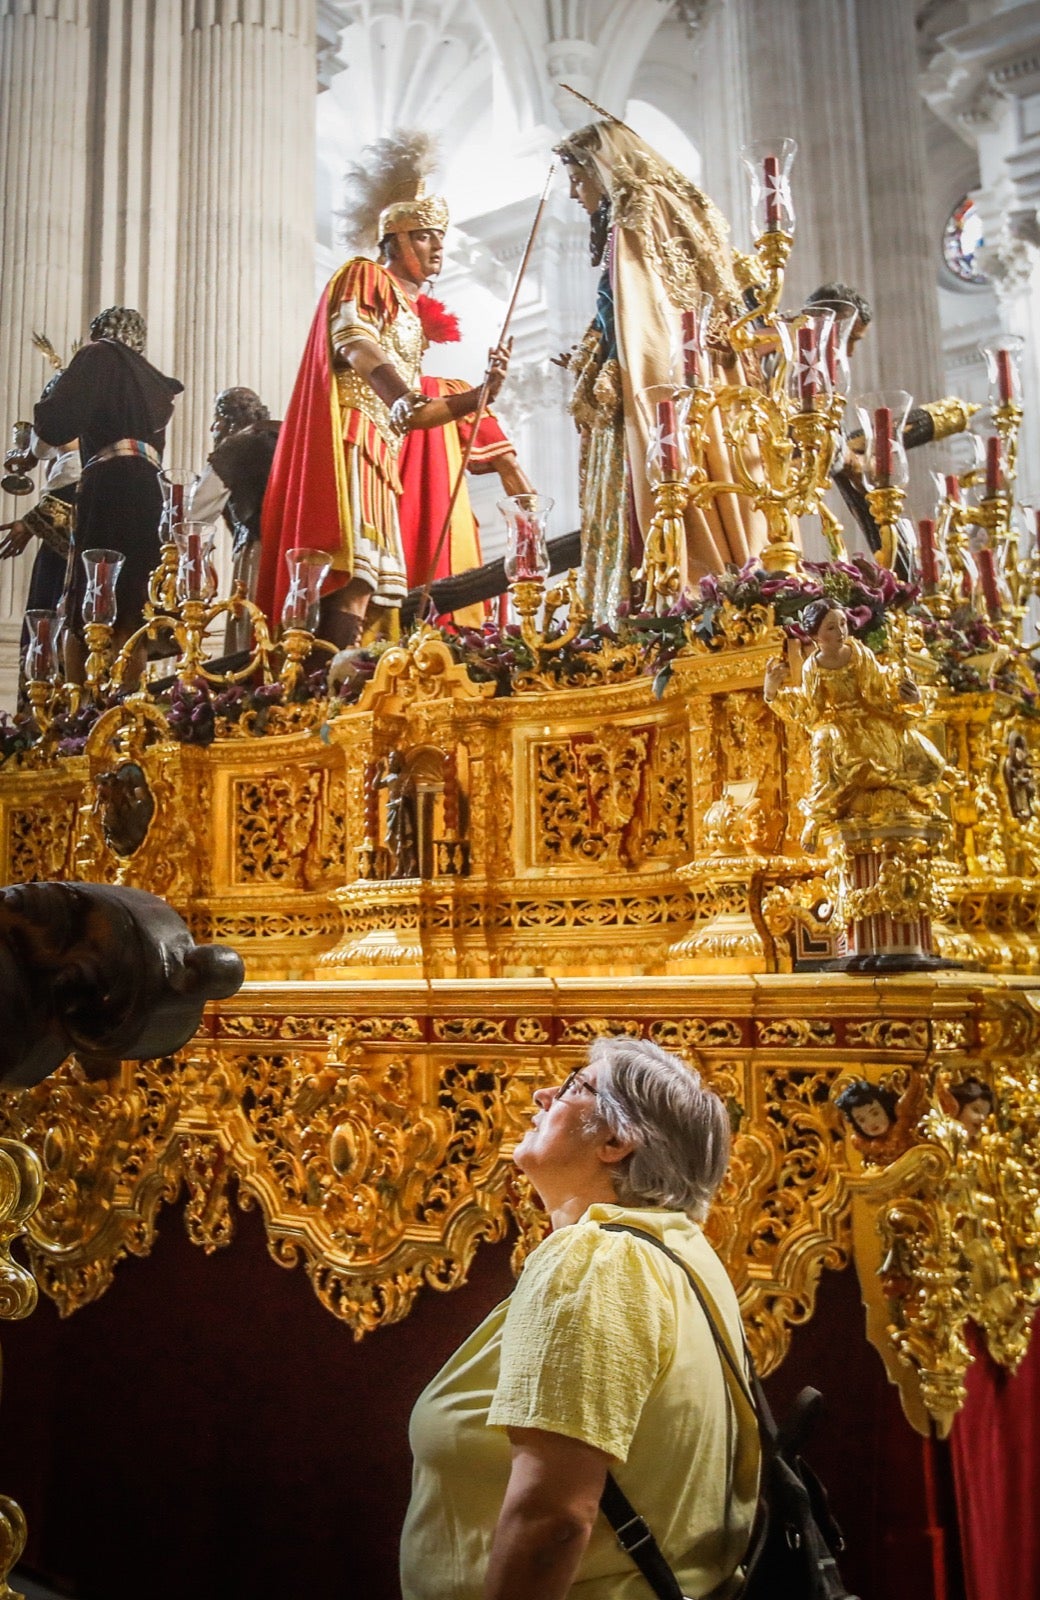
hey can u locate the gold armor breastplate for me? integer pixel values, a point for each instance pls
(403, 343)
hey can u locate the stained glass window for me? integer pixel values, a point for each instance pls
(962, 241)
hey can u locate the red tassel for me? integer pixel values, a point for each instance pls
(439, 324)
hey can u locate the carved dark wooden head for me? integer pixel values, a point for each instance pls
(110, 973)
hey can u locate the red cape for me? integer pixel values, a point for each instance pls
(301, 508)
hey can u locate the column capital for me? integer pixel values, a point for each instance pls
(573, 61)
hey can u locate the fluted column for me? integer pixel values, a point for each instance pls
(44, 68)
(135, 165)
(719, 114)
(907, 340)
(245, 258)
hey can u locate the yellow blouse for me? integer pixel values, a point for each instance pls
(602, 1340)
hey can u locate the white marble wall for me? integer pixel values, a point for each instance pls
(160, 154)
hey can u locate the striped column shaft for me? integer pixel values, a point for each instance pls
(44, 70)
(245, 275)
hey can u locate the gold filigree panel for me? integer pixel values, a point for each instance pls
(289, 828)
(41, 838)
(609, 797)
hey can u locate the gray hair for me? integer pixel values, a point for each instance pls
(680, 1128)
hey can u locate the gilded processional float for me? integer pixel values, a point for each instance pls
(787, 825)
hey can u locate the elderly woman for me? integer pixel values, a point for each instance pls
(601, 1360)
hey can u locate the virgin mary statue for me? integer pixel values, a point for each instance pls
(662, 245)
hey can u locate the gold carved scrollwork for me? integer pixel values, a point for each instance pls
(616, 797)
(369, 1172)
(102, 1184)
(583, 1030)
(792, 1031)
(21, 1187)
(889, 1033)
(696, 1033)
(276, 820)
(781, 1216)
(949, 1232)
(41, 840)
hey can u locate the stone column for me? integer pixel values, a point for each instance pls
(134, 166)
(907, 343)
(44, 69)
(720, 109)
(554, 308)
(245, 247)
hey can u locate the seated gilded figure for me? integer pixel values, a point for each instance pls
(867, 758)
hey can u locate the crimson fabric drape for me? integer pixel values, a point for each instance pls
(996, 1458)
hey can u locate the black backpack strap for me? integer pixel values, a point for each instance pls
(633, 1534)
(753, 1392)
(635, 1538)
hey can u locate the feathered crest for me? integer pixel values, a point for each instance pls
(390, 169)
(44, 346)
(440, 325)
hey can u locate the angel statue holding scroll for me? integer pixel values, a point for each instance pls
(867, 757)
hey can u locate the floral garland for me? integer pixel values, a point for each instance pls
(966, 649)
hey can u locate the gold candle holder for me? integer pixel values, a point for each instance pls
(661, 569)
(886, 507)
(772, 252)
(162, 585)
(98, 636)
(40, 699)
(296, 645)
(529, 594)
(1007, 418)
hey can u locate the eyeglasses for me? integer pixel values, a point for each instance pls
(574, 1080)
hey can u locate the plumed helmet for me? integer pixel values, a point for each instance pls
(385, 192)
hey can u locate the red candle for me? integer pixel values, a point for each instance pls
(808, 368)
(883, 446)
(193, 565)
(771, 173)
(668, 439)
(832, 354)
(691, 348)
(1005, 376)
(994, 465)
(39, 658)
(176, 504)
(926, 540)
(988, 579)
(526, 566)
(953, 488)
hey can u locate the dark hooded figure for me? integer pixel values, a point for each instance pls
(118, 406)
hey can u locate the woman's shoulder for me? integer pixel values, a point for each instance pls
(586, 1252)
